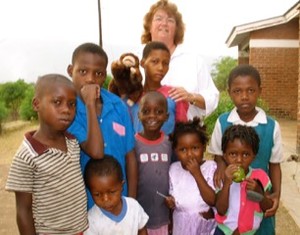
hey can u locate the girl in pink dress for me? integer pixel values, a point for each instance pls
(192, 193)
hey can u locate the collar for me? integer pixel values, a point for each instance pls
(260, 118)
(39, 147)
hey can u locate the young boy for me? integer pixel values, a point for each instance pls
(102, 123)
(237, 212)
(112, 214)
(45, 173)
(155, 61)
(244, 88)
(153, 152)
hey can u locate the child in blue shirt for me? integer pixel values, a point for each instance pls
(102, 123)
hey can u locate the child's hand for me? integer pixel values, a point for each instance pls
(254, 186)
(193, 166)
(170, 202)
(90, 93)
(229, 173)
(273, 209)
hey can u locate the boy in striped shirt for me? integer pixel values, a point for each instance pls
(45, 173)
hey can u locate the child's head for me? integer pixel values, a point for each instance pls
(153, 111)
(244, 88)
(240, 145)
(104, 178)
(156, 60)
(55, 101)
(89, 62)
(189, 140)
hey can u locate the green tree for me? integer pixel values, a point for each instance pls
(3, 115)
(26, 109)
(12, 94)
(221, 70)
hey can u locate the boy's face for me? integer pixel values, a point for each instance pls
(153, 113)
(239, 153)
(244, 92)
(156, 65)
(189, 146)
(89, 68)
(107, 192)
(56, 106)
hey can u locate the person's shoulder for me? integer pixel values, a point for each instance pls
(131, 201)
(111, 97)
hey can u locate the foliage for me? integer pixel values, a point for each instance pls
(226, 105)
(26, 109)
(221, 70)
(107, 81)
(12, 94)
(3, 114)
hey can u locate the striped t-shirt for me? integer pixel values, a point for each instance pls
(54, 178)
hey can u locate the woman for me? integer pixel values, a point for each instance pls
(187, 71)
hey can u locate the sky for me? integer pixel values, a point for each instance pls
(39, 36)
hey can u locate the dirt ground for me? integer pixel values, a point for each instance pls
(9, 143)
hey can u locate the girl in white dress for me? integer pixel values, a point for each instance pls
(192, 193)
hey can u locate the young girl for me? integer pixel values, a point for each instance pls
(240, 204)
(191, 181)
(155, 61)
(153, 152)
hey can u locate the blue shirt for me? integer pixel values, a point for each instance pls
(116, 128)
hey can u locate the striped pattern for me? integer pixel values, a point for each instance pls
(54, 178)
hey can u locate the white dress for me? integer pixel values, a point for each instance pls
(187, 218)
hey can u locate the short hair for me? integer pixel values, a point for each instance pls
(106, 166)
(244, 70)
(89, 48)
(194, 126)
(154, 45)
(154, 95)
(245, 134)
(172, 10)
(44, 82)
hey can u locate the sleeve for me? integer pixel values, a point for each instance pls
(277, 152)
(92, 230)
(181, 111)
(212, 166)
(171, 189)
(78, 128)
(143, 217)
(265, 180)
(21, 175)
(215, 145)
(207, 87)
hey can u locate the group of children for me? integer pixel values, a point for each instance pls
(149, 152)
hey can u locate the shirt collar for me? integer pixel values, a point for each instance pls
(260, 118)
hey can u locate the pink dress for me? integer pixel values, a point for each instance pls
(187, 218)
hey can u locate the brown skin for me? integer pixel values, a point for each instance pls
(189, 151)
(244, 91)
(56, 110)
(88, 74)
(238, 154)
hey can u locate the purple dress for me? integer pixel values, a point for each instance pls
(187, 218)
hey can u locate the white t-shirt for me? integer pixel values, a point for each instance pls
(128, 222)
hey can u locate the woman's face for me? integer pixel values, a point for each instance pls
(163, 27)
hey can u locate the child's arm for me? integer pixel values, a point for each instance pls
(132, 173)
(143, 231)
(24, 213)
(275, 176)
(93, 145)
(254, 185)
(220, 171)
(206, 192)
(222, 201)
